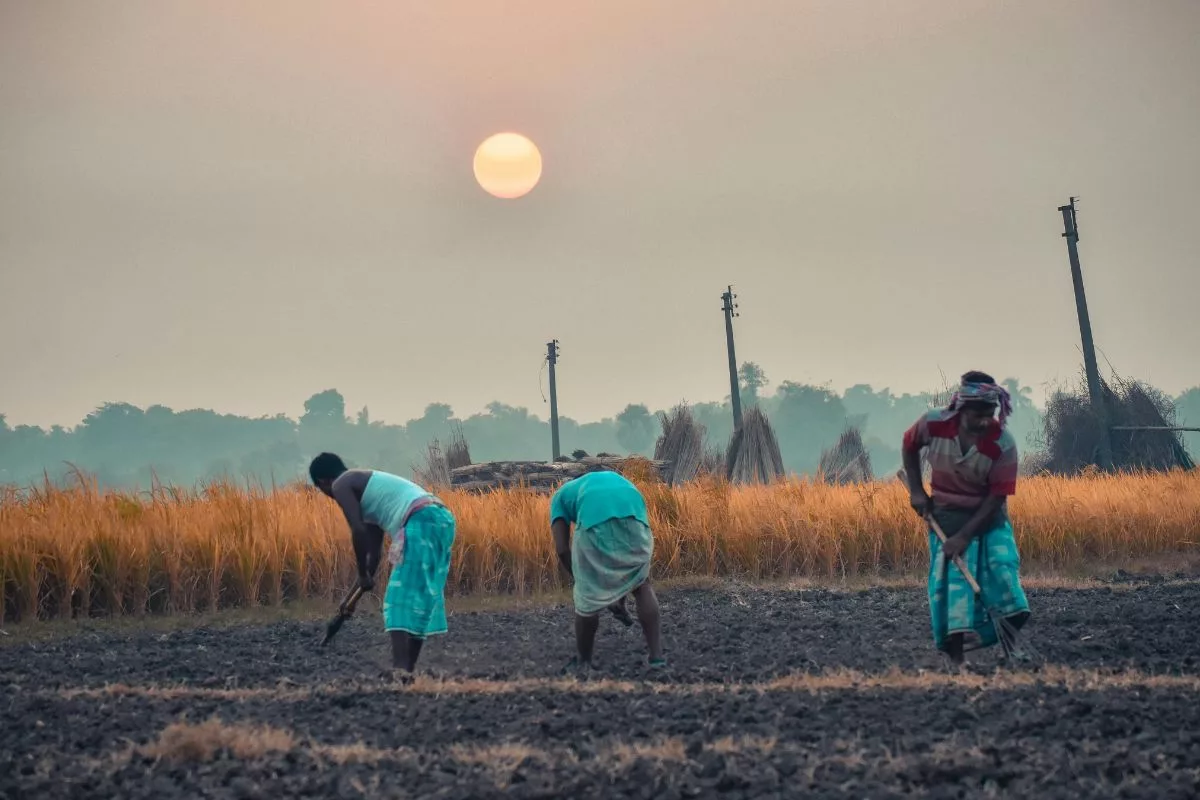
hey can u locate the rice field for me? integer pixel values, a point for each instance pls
(79, 551)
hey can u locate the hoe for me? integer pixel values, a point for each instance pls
(344, 612)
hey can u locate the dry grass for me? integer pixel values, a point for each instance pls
(658, 751)
(183, 742)
(187, 743)
(81, 551)
(814, 683)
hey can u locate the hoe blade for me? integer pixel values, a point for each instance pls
(332, 628)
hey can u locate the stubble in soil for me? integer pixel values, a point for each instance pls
(770, 693)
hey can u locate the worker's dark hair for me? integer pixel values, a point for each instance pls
(326, 466)
(975, 376)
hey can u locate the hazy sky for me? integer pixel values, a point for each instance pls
(234, 205)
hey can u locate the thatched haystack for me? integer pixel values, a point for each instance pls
(753, 454)
(681, 444)
(438, 464)
(712, 463)
(458, 454)
(434, 473)
(545, 477)
(847, 461)
(640, 469)
(1070, 440)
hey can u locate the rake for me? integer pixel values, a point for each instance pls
(1006, 632)
(344, 612)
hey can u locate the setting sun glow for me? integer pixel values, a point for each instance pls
(508, 165)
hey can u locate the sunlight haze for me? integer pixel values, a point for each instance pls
(234, 206)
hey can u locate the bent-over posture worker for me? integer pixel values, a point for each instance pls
(974, 465)
(608, 558)
(422, 531)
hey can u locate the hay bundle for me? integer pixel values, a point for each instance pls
(640, 469)
(753, 455)
(458, 454)
(681, 444)
(712, 463)
(847, 461)
(1072, 429)
(435, 472)
(543, 477)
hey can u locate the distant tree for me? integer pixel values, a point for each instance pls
(1026, 420)
(123, 445)
(635, 428)
(752, 379)
(507, 432)
(433, 424)
(1187, 414)
(1187, 407)
(326, 406)
(806, 420)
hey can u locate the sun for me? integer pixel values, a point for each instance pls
(508, 165)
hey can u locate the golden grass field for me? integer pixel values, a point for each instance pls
(83, 551)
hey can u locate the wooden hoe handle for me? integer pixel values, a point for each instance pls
(937, 529)
(958, 560)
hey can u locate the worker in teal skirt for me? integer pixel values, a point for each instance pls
(422, 531)
(608, 559)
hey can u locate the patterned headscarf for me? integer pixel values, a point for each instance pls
(984, 393)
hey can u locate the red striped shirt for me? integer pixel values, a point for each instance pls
(961, 480)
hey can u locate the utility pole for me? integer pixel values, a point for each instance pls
(552, 360)
(1099, 406)
(728, 306)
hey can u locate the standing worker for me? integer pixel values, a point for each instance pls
(973, 458)
(609, 557)
(422, 531)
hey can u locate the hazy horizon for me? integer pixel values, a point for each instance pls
(233, 207)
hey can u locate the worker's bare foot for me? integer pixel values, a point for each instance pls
(398, 676)
(576, 668)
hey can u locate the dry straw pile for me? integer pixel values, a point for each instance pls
(681, 445)
(848, 460)
(78, 551)
(1072, 429)
(753, 455)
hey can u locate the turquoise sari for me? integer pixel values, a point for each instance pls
(414, 601)
(609, 560)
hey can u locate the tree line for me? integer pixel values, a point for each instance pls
(122, 445)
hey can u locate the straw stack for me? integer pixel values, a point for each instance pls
(458, 454)
(847, 461)
(1072, 429)
(539, 476)
(681, 444)
(435, 472)
(753, 455)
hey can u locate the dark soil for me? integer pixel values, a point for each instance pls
(495, 720)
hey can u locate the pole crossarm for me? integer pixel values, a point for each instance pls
(1161, 428)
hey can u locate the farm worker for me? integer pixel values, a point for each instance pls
(973, 459)
(608, 559)
(422, 531)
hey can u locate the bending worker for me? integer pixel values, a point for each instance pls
(375, 502)
(608, 559)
